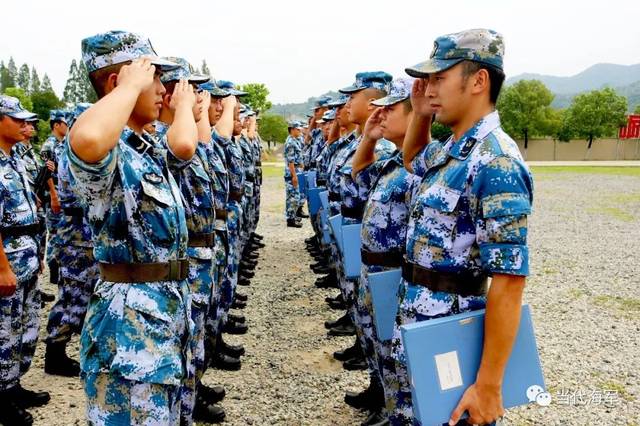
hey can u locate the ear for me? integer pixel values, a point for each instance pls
(370, 106)
(166, 100)
(111, 83)
(481, 82)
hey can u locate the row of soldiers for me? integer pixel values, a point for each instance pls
(450, 214)
(151, 198)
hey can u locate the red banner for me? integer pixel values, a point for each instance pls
(632, 129)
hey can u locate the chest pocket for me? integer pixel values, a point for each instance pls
(435, 216)
(153, 207)
(378, 209)
(16, 197)
(202, 186)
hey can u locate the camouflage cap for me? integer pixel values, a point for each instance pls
(295, 125)
(329, 115)
(399, 91)
(11, 106)
(231, 88)
(78, 109)
(184, 71)
(342, 100)
(372, 79)
(59, 115)
(115, 47)
(322, 102)
(478, 45)
(211, 87)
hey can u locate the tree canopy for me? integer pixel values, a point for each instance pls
(273, 128)
(257, 96)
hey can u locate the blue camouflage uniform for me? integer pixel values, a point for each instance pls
(51, 150)
(135, 345)
(78, 268)
(19, 312)
(470, 214)
(292, 154)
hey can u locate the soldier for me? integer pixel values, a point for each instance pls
(197, 193)
(293, 165)
(389, 189)
(78, 270)
(468, 221)
(135, 341)
(19, 266)
(50, 152)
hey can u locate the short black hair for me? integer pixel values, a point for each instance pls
(98, 78)
(407, 106)
(52, 123)
(496, 77)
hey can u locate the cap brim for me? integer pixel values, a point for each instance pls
(389, 100)
(22, 115)
(163, 64)
(351, 89)
(235, 92)
(198, 79)
(431, 66)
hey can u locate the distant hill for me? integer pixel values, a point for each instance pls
(631, 92)
(595, 77)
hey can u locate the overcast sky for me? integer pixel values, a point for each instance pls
(300, 49)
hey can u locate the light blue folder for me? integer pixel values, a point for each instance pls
(324, 199)
(384, 296)
(335, 222)
(302, 182)
(324, 225)
(311, 179)
(443, 356)
(352, 260)
(314, 200)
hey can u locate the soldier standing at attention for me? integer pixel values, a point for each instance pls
(469, 218)
(19, 266)
(293, 164)
(136, 339)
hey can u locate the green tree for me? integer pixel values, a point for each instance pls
(86, 91)
(35, 80)
(44, 102)
(637, 110)
(24, 99)
(24, 78)
(72, 86)
(13, 73)
(4, 77)
(205, 68)
(525, 109)
(273, 128)
(596, 114)
(46, 84)
(257, 96)
(440, 132)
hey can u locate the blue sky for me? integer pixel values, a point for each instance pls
(301, 49)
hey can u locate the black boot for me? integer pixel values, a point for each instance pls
(257, 244)
(371, 398)
(249, 266)
(234, 351)
(244, 281)
(322, 270)
(47, 297)
(342, 330)
(231, 327)
(238, 304)
(236, 318)
(376, 418)
(11, 414)
(247, 274)
(351, 352)
(335, 299)
(355, 364)
(291, 223)
(328, 281)
(343, 320)
(257, 236)
(338, 306)
(25, 398)
(58, 363)
(207, 413)
(241, 297)
(301, 213)
(311, 240)
(211, 394)
(222, 361)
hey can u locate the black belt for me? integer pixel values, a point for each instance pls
(250, 179)
(174, 270)
(221, 214)
(236, 196)
(19, 231)
(391, 259)
(73, 211)
(258, 163)
(463, 284)
(352, 212)
(202, 240)
(334, 196)
(321, 182)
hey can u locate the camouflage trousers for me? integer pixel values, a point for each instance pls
(53, 243)
(19, 322)
(292, 200)
(114, 401)
(418, 304)
(212, 322)
(230, 274)
(78, 276)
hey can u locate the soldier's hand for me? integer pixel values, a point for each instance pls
(138, 75)
(372, 129)
(229, 102)
(8, 282)
(55, 205)
(206, 100)
(294, 181)
(182, 96)
(419, 98)
(483, 403)
(51, 166)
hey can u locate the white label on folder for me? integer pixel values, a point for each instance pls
(448, 370)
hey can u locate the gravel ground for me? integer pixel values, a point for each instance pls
(584, 291)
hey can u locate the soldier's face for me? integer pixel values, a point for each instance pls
(449, 95)
(28, 130)
(395, 121)
(318, 112)
(342, 115)
(62, 128)
(358, 107)
(295, 133)
(149, 102)
(215, 110)
(11, 129)
(197, 108)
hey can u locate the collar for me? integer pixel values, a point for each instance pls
(140, 143)
(461, 148)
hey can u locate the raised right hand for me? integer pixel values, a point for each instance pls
(419, 98)
(182, 96)
(138, 75)
(372, 128)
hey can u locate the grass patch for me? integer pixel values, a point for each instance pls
(628, 307)
(613, 212)
(576, 293)
(596, 170)
(272, 171)
(618, 388)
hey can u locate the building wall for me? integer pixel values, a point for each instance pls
(576, 150)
